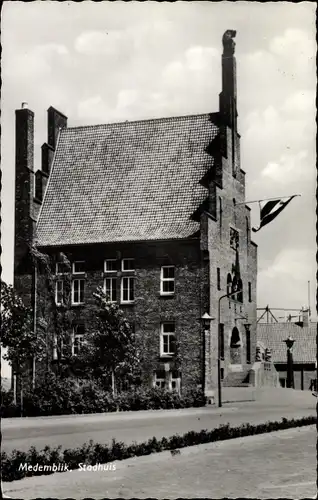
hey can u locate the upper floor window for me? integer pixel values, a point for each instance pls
(60, 268)
(167, 339)
(78, 291)
(220, 211)
(218, 278)
(128, 265)
(127, 289)
(249, 291)
(240, 290)
(228, 284)
(110, 285)
(110, 265)
(79, 267)
(234, 238)
(167, 280)
(59, 292)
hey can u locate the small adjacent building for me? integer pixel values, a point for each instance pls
(272, 335)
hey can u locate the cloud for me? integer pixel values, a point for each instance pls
(295, 42)
(302, 101)
(288, 167)
(33, 63)
(290, 262)
(196, 63)
(95, 43)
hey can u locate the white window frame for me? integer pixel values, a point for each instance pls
(123, 267)
(163, 280)
(73, 282)
(57, 272)
(129, 301)
(113, 280)
(161, 381)
(177, 381)
(73, 267)
(74, 337)
(56, 292)
(105, 266)
(169, 334)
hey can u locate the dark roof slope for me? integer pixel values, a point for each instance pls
(127, 181)
(272, 335)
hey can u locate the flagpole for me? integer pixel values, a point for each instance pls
(267, 199)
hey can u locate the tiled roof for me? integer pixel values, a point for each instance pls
(272, 335)
(127, 181)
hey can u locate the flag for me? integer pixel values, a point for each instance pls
(271, 209)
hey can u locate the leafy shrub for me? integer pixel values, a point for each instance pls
(92, 454)
(55, 396)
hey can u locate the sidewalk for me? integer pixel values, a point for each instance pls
(263, 466)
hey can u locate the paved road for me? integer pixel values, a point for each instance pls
(72, 431)
(277, 465)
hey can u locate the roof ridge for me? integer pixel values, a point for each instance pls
(168, 118)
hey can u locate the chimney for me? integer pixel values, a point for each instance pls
(24, 224)
(56, 121)
(24, 179)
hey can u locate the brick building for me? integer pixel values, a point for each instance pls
(154, 211)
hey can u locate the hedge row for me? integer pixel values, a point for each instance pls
(91, 453)
(71, 399)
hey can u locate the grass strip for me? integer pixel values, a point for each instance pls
(20, 464)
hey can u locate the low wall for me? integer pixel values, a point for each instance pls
(263, 374)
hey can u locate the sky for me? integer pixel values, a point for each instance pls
(100, 62)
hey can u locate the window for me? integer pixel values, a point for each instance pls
(167, 280)
(175, 381)
(220, 211)
(240, 291)
(249, 291)
(234, 238)
(60, 268)
(221, 340)
(78, 291)
(59, 292)
(228, 284)
(160, 379)
(167, 339)
(128, 265)
(110, 288)
(110, 265)
(127, 289)
(248, 345)
(78, 339)
(218, 278)
(247, 232)
(234, 288)
(79, 267)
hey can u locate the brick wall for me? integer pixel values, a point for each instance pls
(150, 308)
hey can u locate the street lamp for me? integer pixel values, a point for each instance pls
(206, 320)
(290, 374)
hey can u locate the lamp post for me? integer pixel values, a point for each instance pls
(206, 321)
(290, 373)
